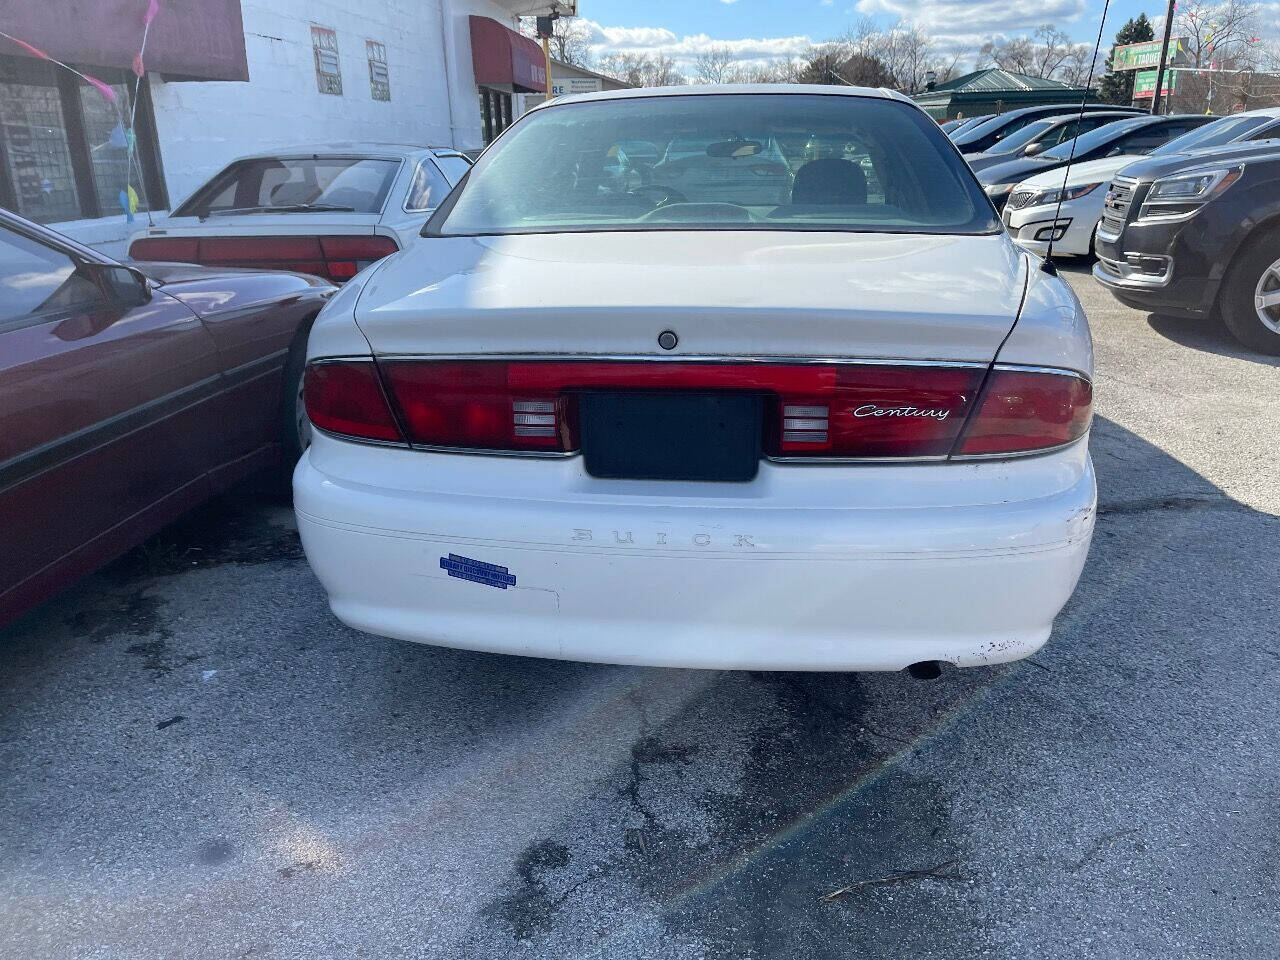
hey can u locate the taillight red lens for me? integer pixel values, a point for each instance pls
(345, 397)
(335, 258)
(480, 405)
(166, 249)
(1023, 410)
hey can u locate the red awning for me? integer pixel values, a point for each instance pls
(503, 58)
(197, 41)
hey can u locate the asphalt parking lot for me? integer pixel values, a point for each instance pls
(199, 761)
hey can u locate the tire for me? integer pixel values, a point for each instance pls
(1251, 293)
(295, 429)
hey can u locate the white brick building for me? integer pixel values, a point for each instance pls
(435, 72)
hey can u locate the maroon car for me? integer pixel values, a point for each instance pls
(130, 394)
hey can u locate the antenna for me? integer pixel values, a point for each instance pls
(1048, 265)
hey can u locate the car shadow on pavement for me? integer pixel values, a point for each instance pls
(294, 786)
(1207, 334)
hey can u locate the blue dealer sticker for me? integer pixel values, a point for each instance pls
(477, 571)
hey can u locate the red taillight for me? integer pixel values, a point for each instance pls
(345, 397)
(813, 410)
(1026, 410)
(335, 258)
(481, 404)
(166, 249)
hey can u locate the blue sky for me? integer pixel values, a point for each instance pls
(766, 29)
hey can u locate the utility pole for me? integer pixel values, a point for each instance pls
(1164, 54)
(544, 34)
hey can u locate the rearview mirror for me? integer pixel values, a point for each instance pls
(1033, 149)
(734, 148)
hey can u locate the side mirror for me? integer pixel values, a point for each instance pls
(1033, 149)
(126, 286)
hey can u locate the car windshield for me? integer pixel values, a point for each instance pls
(264, 184)
(1095, 138)
(1212, 134)
(724, 161)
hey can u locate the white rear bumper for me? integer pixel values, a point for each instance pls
(805, 568)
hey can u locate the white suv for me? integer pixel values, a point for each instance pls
(654, 418)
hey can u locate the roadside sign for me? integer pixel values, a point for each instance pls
(1137, 56)
(1144, 84)
(563, 85)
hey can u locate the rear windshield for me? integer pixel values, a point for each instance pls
(720, 161)
(347, 184)
(1212, 134)
(1096, 138)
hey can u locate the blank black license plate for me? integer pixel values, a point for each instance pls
(671, 435)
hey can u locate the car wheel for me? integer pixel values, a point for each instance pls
(1251, 298)
(295, 428)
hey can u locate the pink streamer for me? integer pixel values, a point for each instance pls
(153, 8)
(138, 68)
(34, 51)
(97, 84)
(101, 87)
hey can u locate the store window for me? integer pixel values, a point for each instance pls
(495, 112)
(324, 44)
(379, 79)
(64, 149)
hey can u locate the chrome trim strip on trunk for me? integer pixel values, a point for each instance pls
(664, 358)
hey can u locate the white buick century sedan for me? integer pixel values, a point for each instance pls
(628, 411)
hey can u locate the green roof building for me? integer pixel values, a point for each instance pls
(994, 91)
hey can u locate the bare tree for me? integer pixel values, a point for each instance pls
(778, 71)
(1048, 52)
(906, 52)
(642, 69)
(1234, 68)
(909, 54)
(833, 63)
(716, 65)
(1077, 67)
(1218, 32)
(570, 39)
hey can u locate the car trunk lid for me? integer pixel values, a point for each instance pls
(722, 293)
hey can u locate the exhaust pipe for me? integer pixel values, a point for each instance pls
(925, 670)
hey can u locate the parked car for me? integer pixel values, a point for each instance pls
(1198, 235)
(969, 123)
(1132, 136)
(129, 394)
(327, 210)
(843, 431)
(946, 126)
(1041, 135)
(983, 136)
(1032, 208)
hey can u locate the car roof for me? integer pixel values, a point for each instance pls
(707, 89)
(347, 148)
(1260, 112)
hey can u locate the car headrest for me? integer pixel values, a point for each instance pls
(830, 181)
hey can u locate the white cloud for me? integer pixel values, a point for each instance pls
(943, 18)
(683, 49)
